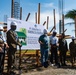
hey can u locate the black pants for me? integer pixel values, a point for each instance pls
(11, 58)
(54, 55)
(62, 57)
(1, 63)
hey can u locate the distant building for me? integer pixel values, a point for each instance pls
(15, 9)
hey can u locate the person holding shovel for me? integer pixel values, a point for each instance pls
(12, 42)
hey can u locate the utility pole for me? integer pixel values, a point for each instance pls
(75, 26)
(12, 9)
(47, 22)
(39, 13)
(54, 19)
(20, 13)
(27, 16)
(37, 51)
(36, 17)
(61, 3)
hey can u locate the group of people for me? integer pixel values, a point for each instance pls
(9, 45)
(52, 43)
(58, 48)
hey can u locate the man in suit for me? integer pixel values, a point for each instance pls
(72, 47)
(63, 48)
(12, 43)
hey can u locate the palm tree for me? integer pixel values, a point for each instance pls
(72, 15)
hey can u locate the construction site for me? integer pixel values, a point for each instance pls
(27, 59)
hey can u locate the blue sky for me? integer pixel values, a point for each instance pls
(47, 6)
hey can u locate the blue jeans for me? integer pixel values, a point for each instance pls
(44, 56)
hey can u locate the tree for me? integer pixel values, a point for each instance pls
(72, 15)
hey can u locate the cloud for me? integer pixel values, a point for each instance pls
(48, 4)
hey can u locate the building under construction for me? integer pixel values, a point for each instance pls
(15, 9)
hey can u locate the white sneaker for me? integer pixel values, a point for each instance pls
(52, 64)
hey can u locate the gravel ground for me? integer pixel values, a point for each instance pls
(53, 71)
(29, 68)
(64, 70)
(67, 70)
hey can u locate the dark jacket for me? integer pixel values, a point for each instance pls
(63, 45)
(72, 47)
(11, 39)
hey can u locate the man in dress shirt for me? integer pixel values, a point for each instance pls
(54, 45)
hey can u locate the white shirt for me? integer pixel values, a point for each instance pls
(53, 40)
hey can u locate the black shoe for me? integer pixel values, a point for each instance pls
(65, 64)
(13, 67)
(58, 66)
(12, 73)
(1, 73)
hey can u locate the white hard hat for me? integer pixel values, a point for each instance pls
(1, 27)
(54, 31)
(45, 31)
(13, 23)
(73, 37)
